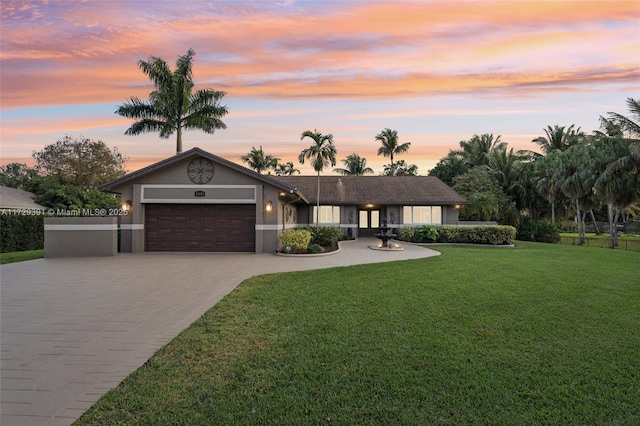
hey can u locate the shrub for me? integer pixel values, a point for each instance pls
(298, 239)
(493, 235)
(325, 236)
(427, 234)
(314, 249)
(20, 233)
(538, 230)
(406, 233)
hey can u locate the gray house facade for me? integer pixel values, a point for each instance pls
(196, 201)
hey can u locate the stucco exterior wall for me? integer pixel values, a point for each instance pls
(172, 185)
(80, 236)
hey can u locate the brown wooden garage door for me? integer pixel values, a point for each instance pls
(200, 227)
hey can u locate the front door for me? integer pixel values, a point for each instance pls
(368, 222)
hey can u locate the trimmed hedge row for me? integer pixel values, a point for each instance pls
(491, 235)
(20, 233)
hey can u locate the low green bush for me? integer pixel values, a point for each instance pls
(406, 233)
(427, 234)
(324, 236)
(538, 230)
(314, 249)
(298, 239)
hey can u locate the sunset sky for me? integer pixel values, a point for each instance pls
(438, 72)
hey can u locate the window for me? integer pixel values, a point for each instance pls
(364, 219)
(328, 214)
(422, 215)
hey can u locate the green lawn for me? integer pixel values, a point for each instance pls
(540, 334)
(19, 256)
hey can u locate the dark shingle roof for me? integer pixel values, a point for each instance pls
(194, 152)
(398, 190)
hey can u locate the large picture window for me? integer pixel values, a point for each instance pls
(422, 215)
(328, 214)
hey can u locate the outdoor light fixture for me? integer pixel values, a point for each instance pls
(269, 206)
(126, 206)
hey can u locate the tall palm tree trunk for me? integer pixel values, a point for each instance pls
(179, 140)
(318, 202)
(580, 218)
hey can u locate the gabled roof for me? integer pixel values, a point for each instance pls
(12, 198)
(389, 190)
(197, 152)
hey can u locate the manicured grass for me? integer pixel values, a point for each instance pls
(19, 256)
(540, 334)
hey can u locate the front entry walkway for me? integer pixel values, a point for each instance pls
(71, 329)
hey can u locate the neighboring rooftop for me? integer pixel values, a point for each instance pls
(11, 198)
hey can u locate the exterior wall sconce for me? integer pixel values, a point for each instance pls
(269, 206)
(126, 206)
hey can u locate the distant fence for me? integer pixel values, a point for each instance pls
(627, 245)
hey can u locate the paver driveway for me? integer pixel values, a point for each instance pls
(71, 329)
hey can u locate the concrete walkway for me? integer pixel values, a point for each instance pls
(71, 329)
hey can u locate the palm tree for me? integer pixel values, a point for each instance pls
(355, 166)
(286, 169)
(173, 106)
(258, 161)
(545, 180)
(321, 153)
(390, 145)
(477, 150)
(559, 139)
(576, 179)
(629, 125)
(619, 182)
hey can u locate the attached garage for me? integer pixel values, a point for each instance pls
(200, 227)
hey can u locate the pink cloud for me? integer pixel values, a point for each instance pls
(85, 54)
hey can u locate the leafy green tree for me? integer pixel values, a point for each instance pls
(400, 168)
(259, 161)
(286, 169)
(390, 144)
(80, 161)
(17, 175)
(321, 154)
(477, 150)
(354, 166)
(559, 138)
(449, 167)
(480, 187)
(528, 199)
(57, 195)
(173, 106)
